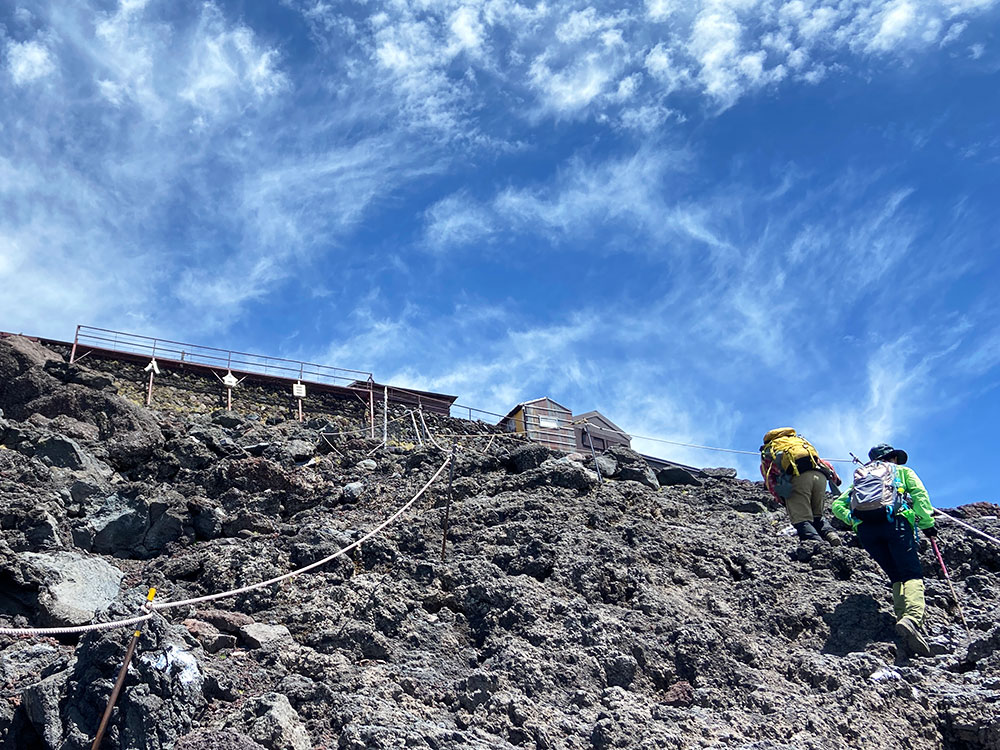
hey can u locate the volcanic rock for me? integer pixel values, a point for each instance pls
(515, 601)
(71, 589)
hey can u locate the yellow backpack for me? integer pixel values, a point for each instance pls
(787, 450)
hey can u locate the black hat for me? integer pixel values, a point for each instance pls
(883, 451)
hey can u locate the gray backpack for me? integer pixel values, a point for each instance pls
(875, 487)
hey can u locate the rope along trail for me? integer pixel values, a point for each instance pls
(76, 629)
(970, 527)
(163, 605)
(693, 445)
(312, 566)
(151, 608)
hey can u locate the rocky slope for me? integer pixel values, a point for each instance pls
(566, 611)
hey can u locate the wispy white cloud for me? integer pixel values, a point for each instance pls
(903, 381)
(127, 104)
(228, 61)
(567, 59)
(187, 152)
(458, 221)
(29, 61)
(178, 165)
(585, 197)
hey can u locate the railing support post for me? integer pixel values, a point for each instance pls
(76, 338)
(371, 405)
(586, 434)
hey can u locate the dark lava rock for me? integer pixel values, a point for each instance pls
(719, 473)
(550, 611)
(220, 739)
(528, 457)
(675, 475)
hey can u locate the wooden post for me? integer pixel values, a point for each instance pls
(385, 416)
(149, 390)
(301, 366)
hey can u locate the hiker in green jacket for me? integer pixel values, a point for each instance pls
(885, 505)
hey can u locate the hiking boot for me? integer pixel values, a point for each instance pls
(832, 538)
(911, 634)
(827, 531)
(807, 532)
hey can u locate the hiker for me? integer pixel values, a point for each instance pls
(886, 505)
(796, 476)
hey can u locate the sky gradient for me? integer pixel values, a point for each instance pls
(704, 219)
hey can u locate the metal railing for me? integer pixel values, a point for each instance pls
(540, 424)
(88, 337)
(461, 411)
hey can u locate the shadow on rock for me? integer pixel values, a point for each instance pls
(856, 622)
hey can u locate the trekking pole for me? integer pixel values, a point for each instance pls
(856, 459)
(121, 679)
(950, 584)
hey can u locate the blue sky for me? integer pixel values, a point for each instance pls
(704, 219)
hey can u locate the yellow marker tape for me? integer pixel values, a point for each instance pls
(149, 598)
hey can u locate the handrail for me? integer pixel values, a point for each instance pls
(210, 356)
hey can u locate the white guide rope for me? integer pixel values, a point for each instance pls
(44, 632)
(211, 597)
(970, 527)
(278, 579)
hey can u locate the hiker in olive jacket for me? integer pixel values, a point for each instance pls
(796, 476)
(889, 534)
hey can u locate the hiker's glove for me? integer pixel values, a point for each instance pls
(930, 531)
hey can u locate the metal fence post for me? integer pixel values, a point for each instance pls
(586, 434)
(76, 338)
(121, 679)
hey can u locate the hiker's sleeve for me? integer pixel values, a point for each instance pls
(918, 496)
(770, 474)
(833, 475)
(842, 507)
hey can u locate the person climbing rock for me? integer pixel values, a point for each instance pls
(796, 476)
(886, 504)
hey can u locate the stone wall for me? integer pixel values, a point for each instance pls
(191, 391)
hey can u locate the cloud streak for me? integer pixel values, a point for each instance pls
(695, 217)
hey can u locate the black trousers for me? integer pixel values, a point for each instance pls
(893, 545)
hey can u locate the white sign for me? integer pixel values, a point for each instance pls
(152, 366)
(299, 390)
(230, 380)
